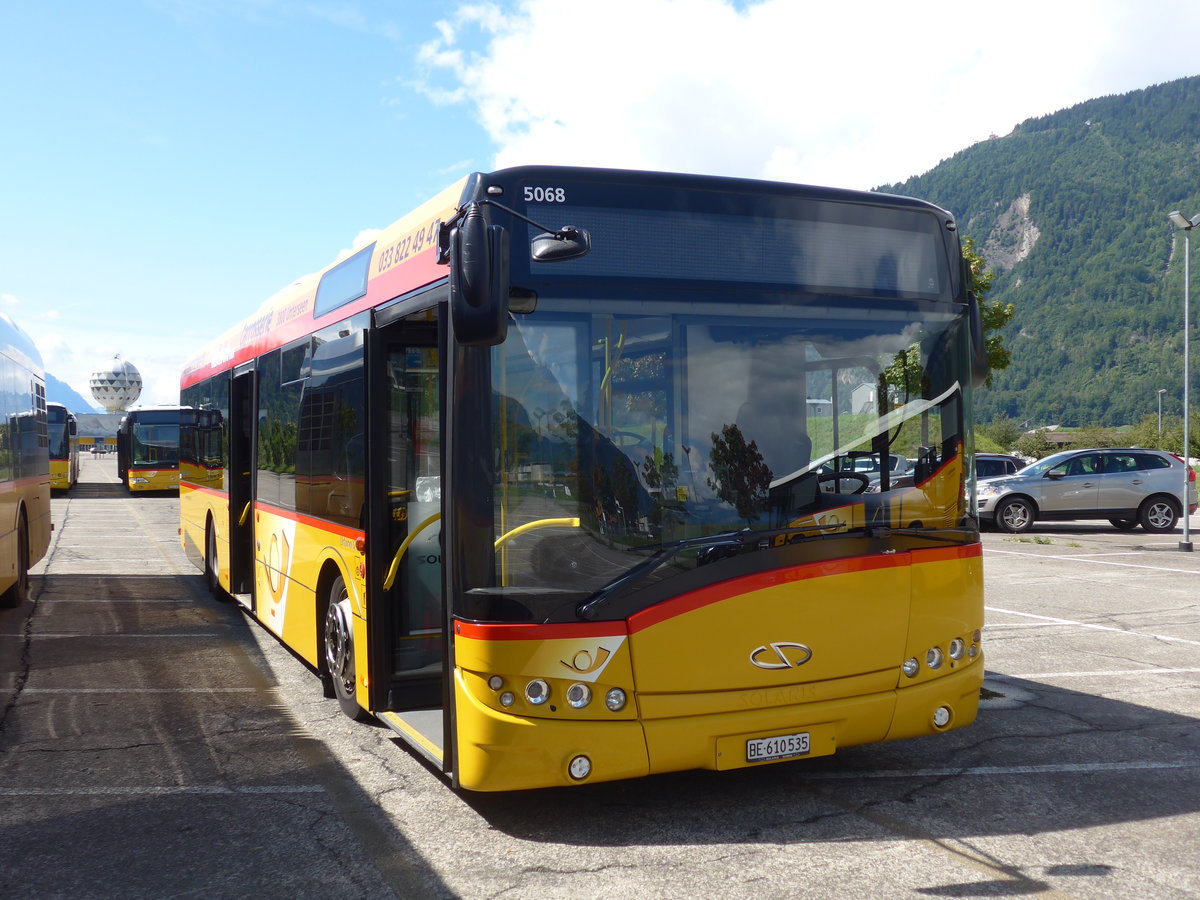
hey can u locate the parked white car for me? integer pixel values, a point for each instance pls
(1126, 486)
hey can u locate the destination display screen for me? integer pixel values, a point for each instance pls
(815, 245)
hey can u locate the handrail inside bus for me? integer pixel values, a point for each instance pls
(390, 579)
(538, 523)
(245, 515)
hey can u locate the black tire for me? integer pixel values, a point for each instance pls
(1124, 524)
(338, 645)
(212, 579)
(1159, 514)
(1015, 515)
(19, 590)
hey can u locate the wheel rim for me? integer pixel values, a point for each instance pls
(338, 655)
(1161, 515)
(1015, 515)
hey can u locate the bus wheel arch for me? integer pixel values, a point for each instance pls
(212, 562)
(335, 626)
(19, 590)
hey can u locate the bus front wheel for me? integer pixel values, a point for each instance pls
(339, 649)
(212, 579)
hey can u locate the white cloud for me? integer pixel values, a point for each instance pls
(850, 95)
(73, 354)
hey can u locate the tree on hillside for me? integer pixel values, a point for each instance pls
(1003, 430)
(905, 372)
(995, 314)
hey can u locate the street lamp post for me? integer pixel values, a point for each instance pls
(1161, 391)
(1179, 220)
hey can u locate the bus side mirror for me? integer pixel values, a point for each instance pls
(979, 357)
(569, 243)
(478, 257)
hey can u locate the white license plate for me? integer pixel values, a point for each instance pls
(785, 746)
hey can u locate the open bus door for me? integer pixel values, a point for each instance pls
(408, 643)
(243, 418)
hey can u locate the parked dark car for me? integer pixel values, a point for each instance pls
(993, 465)
(1126, 486)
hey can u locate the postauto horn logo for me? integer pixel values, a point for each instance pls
(780, 655)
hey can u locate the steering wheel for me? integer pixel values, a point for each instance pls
(863, 480)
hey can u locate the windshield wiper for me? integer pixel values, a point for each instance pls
(590, 608)
(940, 535)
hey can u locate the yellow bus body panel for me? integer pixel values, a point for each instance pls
(695, 692)
(290, 553)
(153, 479)
(60, 475)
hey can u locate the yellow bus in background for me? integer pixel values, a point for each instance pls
(148, 449)
(64, 447)
(535, 478)
(24, 463)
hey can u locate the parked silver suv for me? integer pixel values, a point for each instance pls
(1128, 487)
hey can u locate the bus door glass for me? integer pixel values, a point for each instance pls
(243, 408)
(404, 542)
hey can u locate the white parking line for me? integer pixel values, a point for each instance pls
(1110, 673)
(1051, 769)
(1087, 559)
(161, 790)
(133, 690)
(1051, 620)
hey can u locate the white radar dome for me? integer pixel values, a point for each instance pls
(117, 385)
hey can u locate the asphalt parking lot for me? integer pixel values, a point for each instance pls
(155, 743)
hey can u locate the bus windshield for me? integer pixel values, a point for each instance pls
(644, 438)
(155, 445)
(58, 432)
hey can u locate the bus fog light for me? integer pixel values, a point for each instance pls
(537, 692)
(495, 682)
(579, 695)
(956, 648)
(911, 667)
(941, 716)
(615, 699)
(976, 635)
(507, 698)
(934, 658)
(580, 768)
(973, 651)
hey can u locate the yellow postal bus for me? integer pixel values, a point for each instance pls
(549, 477)
(64, 447)
(148, 449)
(24, 463)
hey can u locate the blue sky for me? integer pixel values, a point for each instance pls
(166, 165)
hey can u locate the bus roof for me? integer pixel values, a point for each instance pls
(403, 257)
(18, 346)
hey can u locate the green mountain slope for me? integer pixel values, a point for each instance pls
(1070, 209)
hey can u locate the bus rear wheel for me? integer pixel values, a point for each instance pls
(339, 649)
(16, 594)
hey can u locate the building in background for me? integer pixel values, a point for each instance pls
(117, 385)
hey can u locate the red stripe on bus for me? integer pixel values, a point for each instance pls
(686, 603)
(694, 600)
(496, 631)
(300, 518)
(416, 272)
